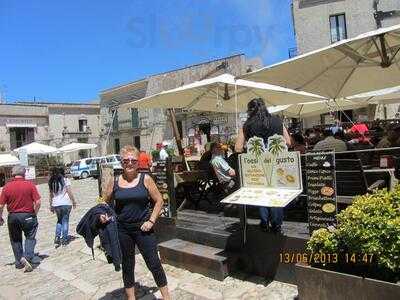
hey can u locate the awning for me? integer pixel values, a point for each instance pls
(11, 125)
(8, 160)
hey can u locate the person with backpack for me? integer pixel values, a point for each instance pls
(61, 202)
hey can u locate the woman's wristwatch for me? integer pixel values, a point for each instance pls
(151, 221)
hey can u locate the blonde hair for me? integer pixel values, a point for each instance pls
(129, 149)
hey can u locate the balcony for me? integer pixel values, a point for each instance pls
(84, 134)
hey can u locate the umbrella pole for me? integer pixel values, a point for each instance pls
(236, 110)
(348, 118)
(177, 136)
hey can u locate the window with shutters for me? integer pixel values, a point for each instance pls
(338, 27)
(135, 118)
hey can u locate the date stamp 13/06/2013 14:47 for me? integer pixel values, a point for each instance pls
(325, 258)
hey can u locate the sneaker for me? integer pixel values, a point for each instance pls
(27, 265)
(64, 242)
(36, 260)
(19, 265)
(57, 242)
(264, 226)
(277, 229)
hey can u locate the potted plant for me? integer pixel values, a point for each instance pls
(360, 257)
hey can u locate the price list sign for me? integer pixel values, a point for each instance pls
(321, 190)
(160, 177)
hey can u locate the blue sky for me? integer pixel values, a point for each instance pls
(71, 50)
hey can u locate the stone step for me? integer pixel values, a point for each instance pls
(197, 258)
(204, 217)
(213, 236)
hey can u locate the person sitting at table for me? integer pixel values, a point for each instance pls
(223, 171)
(330, 143)
(392, 138)
(299, 143)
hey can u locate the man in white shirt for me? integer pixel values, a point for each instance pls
(163, 153)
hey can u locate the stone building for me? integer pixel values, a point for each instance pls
(319, 23)
(54, 124)
(147, 127)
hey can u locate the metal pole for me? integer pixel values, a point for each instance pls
(177, 136)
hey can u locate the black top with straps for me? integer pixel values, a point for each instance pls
(252, 127)
(132, 204)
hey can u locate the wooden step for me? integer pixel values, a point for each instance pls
(197, 258)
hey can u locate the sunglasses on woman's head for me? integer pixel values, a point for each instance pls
(126, 161)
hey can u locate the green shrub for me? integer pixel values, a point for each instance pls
(155, 154)
(370, 226)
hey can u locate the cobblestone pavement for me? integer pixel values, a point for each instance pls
(71, 273)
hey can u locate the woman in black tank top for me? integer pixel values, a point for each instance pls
(262, 124)
(131, 193)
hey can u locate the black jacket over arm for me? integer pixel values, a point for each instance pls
(90, 226)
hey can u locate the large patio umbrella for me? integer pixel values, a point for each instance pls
(384, 96)
(8, 160)
(37, 148)
(309, 109)
(368, 62)
(222, 94)
(76, 147)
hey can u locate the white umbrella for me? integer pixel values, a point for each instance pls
(8, 160)
(365, 63)
(309, 109)
(76, 147)
(385, 96)
(37, 148)
(219, 94)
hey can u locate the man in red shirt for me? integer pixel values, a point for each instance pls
(23, 203)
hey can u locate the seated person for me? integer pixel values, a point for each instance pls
(299, 143)
(391, 139)
(223, 171)
(330, 143)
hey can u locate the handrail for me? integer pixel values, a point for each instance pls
(354, 151)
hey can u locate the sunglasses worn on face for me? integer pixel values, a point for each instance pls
(129, 160)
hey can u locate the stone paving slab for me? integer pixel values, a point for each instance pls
(71, 273)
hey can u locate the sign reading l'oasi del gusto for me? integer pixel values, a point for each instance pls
(270, 177)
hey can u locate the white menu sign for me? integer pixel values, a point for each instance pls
(270, 178)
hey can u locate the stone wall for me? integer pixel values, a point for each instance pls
(311, 19)
(154, 124)
(50, 120)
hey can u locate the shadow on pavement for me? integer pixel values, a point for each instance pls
(140, 291)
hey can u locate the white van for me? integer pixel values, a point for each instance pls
(88, 166)
(83, 167)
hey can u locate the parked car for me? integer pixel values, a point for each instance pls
(112, 160)
(82, 168)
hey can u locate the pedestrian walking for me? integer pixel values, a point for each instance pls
(130, 194)
(61, 202)
(23, 204)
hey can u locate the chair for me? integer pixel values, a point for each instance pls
(351, 180)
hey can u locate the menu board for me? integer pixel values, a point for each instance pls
(321, 190)
(160, 177)
(262, 197)
(269, 178)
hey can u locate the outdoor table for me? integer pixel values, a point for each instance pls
(393, 180)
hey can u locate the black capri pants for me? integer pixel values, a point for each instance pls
(147, 245)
